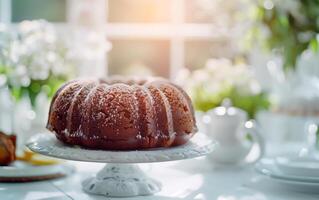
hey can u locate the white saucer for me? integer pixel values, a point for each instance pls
(268, 167)
(299, 186)
(296, 166)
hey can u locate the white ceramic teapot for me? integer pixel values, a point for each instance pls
(236, 136)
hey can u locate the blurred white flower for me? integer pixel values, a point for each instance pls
(21, 70)
(3, 27)
(292, 7)
(39, 68)
(33, 51)
(15, 51)
(26, 27)
(307, 64)
(3, 80)
(19, 76)
(218, 74)
(182, 75)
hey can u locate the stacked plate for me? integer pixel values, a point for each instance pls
(300, 174)
(20, 171)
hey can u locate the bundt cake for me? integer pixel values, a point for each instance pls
(122, 115)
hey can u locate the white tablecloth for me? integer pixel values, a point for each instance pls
(188, 179)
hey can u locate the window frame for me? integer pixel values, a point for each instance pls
(177, 31)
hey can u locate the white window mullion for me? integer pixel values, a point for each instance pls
(106, 58)
(164, 31)
(177, 41)
(176, 56)
(89, 17)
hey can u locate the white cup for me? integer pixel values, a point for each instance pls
(237, 137)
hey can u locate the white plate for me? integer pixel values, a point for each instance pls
(267, 167)
(292, 165)
(21, 169)
(299, 186)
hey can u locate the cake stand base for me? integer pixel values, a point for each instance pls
(121, 180)
(121, 177)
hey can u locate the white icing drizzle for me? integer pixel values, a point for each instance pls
(168, 110)
(92, 92)
(105, 88)
(179, 94)
(189, 102)
(135, 105)
(65, 89)
(151, 101)
(71, 108)
(87, 106)
(139, 88)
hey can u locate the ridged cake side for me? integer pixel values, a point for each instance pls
(117, 115)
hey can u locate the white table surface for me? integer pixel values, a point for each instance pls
(188, 179)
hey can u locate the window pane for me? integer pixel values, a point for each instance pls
(218, 12)
(198, 52)
(198, 11)
(139, 11)
(51, 10)
(139, 57)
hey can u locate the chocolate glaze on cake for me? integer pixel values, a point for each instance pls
(122, 115)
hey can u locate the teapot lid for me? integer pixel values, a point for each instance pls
(227, 110)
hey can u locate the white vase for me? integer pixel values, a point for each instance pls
(30, 120)
(22, 120)
(6, 110)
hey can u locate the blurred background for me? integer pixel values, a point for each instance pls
(260, 54)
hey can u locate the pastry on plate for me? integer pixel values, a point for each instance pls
(7, 148)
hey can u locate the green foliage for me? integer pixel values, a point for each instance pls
(204, 101)
(291, 31)
(48, 86)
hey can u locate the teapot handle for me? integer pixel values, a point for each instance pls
(251, 129)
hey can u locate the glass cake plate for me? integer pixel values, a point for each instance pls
(121, 177)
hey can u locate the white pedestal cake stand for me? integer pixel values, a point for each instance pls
(121, 177)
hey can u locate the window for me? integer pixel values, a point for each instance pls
(17, 10)
(51, 10)
(197, 52)
(138, 11)
(139, 57)
(157, 37)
